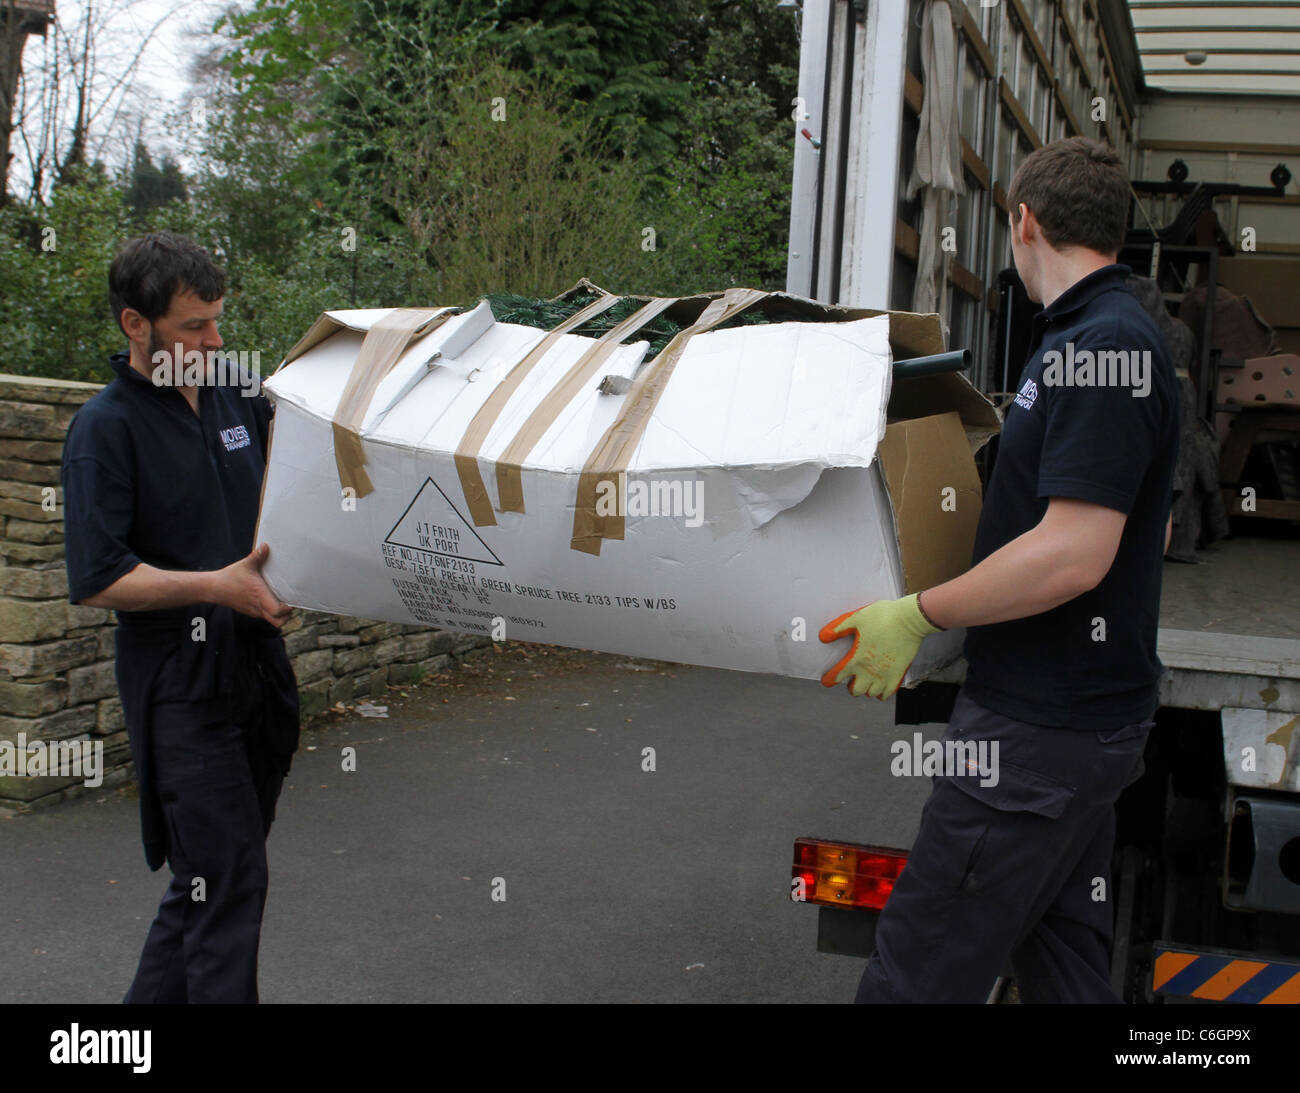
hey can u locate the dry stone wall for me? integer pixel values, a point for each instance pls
(57, 680)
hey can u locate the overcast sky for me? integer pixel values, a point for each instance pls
(166, 35)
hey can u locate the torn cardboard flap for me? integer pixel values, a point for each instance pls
(766, 492)
(920, 396)
(330, 323)
(936, 495)
(334, 345)
(440, 347)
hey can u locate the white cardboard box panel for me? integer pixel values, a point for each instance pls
(776, 425)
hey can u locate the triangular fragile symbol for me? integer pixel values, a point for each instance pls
(431, 520)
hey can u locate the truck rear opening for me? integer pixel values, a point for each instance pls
(1202, 103)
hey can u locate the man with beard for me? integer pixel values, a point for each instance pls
(161, 481)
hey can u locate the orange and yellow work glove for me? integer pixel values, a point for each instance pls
(886, 635)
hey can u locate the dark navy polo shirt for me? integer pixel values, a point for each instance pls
(145, 479)
(1096, 418)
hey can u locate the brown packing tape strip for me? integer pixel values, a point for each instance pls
(384, 343)
(471, 478)
(510, 488)
(614, 451)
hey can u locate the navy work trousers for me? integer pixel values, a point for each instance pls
(218, 786)
(1017, 871)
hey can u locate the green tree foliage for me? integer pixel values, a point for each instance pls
(356, 60)
(54, 285)
(332, 75)
(618, 57)
(436, 147)
(372, 153)
(271, 302)
(513, 185)
(724, 210)
(253, 189)
(701, 93)
(150, 187)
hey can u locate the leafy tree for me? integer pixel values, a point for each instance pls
(148, 186)
(330, 75)
(617, 55)
(417, 154)
(53, 281)
(395, 152)
(514, 185)
(723, 210)
(700, 93)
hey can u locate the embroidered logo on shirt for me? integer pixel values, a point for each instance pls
(235, 438)
(1028, 394)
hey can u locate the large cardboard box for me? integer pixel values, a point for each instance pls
(714, 505)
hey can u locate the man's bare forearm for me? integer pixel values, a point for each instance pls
(146, 588)
(1026, 577)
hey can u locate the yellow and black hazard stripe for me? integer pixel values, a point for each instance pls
(1224, 978)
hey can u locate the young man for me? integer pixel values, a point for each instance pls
(1062, 606)
(161, 480)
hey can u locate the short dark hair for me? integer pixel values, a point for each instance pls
(1078, 191)
(150, 269)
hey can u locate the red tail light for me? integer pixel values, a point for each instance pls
(844, 874)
